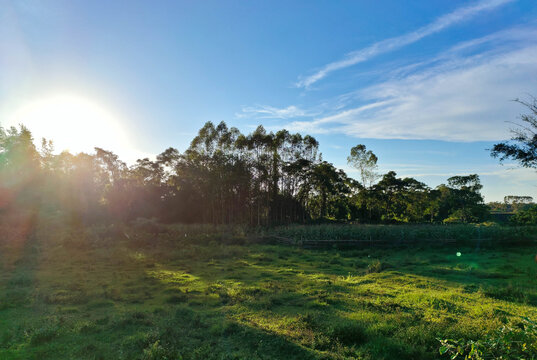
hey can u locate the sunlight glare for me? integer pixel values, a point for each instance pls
(73, 123)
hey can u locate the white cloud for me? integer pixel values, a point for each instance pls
(391, 44)
(459, 99)
(270, 112)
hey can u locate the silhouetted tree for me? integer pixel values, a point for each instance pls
(261, 178)
(523, 145)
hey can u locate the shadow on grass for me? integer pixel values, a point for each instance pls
(100, 303)
(178, 300)
(278, 293)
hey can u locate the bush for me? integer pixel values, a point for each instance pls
(517, 341)
(525, 217)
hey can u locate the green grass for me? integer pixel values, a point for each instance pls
(93, 293)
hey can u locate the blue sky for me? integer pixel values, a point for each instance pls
(427, 85)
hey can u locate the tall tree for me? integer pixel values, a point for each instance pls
(365, 162)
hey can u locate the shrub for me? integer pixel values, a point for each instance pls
(525, 217)
(517, 341)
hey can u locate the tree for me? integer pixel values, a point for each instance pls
(118, 189)
(523, 145)
(515, 203)
(365, 162)
(19, 168)
(516, 199)
(328, 183)
(464, 200)
(262, 178)
(402, 200)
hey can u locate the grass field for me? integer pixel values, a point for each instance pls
(69, 293)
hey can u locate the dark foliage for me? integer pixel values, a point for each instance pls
(225, 177)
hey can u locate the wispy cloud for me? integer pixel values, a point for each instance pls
(270, 112)
(391, 44)
(459, 98)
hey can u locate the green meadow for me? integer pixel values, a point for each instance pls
(110, 292)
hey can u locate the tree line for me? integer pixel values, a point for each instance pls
(225, 177)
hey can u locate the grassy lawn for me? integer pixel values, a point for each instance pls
(67, 293)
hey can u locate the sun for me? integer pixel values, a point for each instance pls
(73, 123)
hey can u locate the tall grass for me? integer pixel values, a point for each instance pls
(404, 233)
(151, 232)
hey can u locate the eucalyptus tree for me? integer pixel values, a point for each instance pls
(365, 161)
(261, 178)
(212, 175)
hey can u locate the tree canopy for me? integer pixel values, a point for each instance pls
(225, 176)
